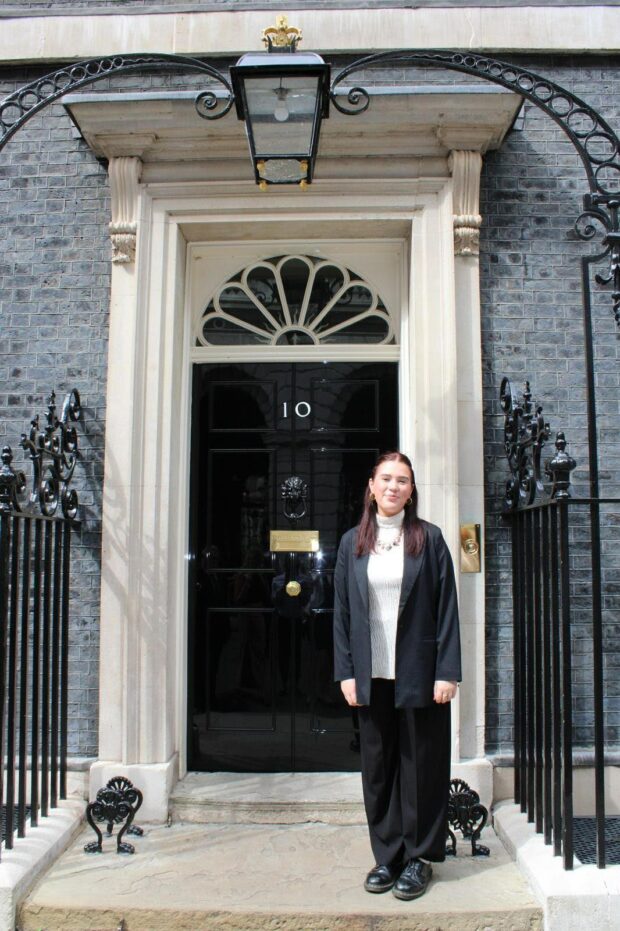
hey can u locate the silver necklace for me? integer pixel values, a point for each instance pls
(386, 547)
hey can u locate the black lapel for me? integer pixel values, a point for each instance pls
(360, 568)
(411, 571)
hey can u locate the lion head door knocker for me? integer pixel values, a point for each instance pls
(294, 490)
(291, 596)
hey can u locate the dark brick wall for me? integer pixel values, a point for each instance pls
(532, 328)
(54, 281)
(54, 290)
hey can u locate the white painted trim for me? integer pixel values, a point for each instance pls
(343, 353)
(407, 321)
(429, 433)
(144, 589)
(180, 606)
(471, 498)
(508, 29)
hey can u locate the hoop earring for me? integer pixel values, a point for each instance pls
(409, 501)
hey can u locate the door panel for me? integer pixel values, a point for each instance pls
(238, 499)
(261, 690)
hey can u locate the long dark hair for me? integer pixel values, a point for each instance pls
(413, 531)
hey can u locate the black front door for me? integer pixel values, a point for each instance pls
(261, 690)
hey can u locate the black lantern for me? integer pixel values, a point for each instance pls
(282, 95)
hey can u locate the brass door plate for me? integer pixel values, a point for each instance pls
(294, 541)
(470, 548)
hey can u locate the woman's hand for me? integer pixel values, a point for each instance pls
(350, 693)
(444, 691)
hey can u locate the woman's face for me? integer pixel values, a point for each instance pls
(392, 487)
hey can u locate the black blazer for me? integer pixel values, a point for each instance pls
(427, 638)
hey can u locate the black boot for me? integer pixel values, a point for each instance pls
(414, 880)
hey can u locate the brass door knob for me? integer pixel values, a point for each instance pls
(293, 589)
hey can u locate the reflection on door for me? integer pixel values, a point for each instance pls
(261, 690)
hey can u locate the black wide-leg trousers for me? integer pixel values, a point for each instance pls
(405, 776)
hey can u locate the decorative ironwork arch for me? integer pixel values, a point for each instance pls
(592, 137)
(22, 104)
(595, 141)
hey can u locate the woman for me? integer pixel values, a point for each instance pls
(397, 657)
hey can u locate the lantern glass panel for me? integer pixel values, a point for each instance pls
(282, 113)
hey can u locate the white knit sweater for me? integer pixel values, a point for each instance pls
(385, 575)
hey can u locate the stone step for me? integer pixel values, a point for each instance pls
(298, 877)
(268, 798)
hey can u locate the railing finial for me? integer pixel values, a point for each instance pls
(559, 468)
(525, 434)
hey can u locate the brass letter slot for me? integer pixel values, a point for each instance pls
(470, 547)
(294, 541)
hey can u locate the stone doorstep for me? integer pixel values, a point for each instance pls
(33, 854)
(289, 798)
(301, 877)
(210, 811)
(268, 798)
(166, 920)
(582, 899)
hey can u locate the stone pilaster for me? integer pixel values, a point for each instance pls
(465, 168)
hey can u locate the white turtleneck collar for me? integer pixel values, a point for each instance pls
(394, 522)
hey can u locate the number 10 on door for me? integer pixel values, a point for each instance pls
(301, 409)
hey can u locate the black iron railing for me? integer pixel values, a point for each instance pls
(560, 605)
(35, 547)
